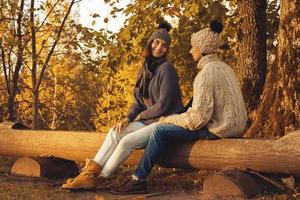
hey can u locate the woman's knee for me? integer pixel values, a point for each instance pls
(113, 136)
(125, 144)
(111, 132)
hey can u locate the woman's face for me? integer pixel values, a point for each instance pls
(159, 48)
(196, 53)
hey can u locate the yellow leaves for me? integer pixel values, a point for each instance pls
(117, 97)
(124, 34)
(217, 9)
(193, 9)
(173, 12)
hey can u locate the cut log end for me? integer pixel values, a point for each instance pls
(26, 167)
(232, 183)
(44, 167)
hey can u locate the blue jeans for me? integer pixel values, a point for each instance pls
(162, 136)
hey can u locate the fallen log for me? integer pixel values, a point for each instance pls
(263, 155)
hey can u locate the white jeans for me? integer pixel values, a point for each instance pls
(116, 148)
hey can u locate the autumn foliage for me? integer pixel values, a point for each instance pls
(88, 80)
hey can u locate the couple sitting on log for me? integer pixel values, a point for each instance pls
(157, 117)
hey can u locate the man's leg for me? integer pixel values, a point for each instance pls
(159, 141)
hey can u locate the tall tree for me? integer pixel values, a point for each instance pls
(8, 46)
(278, 113)
(37, 78)
(252, 52)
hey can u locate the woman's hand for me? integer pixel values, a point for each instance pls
(119, 127)
(137, 118)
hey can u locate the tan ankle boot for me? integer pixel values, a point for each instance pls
(86, 179)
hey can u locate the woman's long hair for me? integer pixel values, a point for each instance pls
(146, 53)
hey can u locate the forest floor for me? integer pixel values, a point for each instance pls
(166, 184)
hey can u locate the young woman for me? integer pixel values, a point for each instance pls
(156, 94)
(217, 111)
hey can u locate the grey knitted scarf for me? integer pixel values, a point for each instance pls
(149, 67)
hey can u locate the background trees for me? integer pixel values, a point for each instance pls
(252, 51)
(12, 48)
(45, 31)
(278, 113)
(90, 76)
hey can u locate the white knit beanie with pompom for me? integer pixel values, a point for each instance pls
(208, 40)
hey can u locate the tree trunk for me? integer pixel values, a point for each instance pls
(37, 79)
(252, 52)
(55, 99)
(276, 156)
(278, 112)
(36, 117)
(11, 105)
(13, 84)
(35, 88)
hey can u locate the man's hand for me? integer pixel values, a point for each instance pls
(119, 127)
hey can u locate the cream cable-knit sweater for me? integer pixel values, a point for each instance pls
(218, 101)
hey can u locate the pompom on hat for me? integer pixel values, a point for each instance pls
(208, 40)
(161, 33)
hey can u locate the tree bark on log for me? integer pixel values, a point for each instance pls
(274, 156)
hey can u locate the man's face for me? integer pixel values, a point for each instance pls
(196, 53)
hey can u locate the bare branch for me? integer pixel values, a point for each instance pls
(54, 44)
(47, 16)
(4, 68)
(77, 1)
(33, 45)
(20, 49)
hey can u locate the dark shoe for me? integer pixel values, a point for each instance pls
(133, 187)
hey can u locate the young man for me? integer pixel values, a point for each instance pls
(217, 111)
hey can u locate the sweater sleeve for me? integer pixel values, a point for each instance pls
(201, 111)
(168, 87)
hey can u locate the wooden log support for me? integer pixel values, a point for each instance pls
(262, 155)
(44, 167)
(233, 183)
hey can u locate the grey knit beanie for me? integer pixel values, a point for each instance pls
(161, 33)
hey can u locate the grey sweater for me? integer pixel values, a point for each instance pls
(164, 96)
